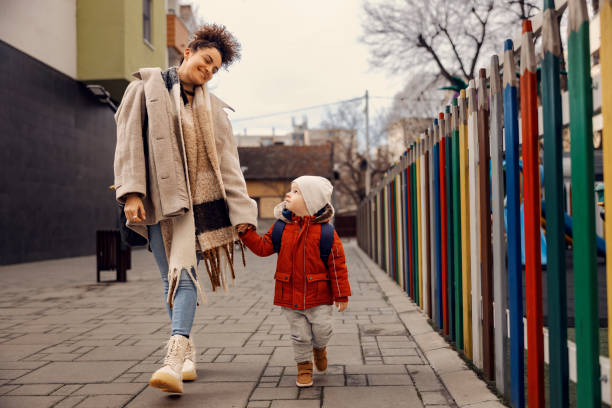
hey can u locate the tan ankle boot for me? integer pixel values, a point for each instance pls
(189, 366)
(320, 359)
(304, 376)
(169, 377)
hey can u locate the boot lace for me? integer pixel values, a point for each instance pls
(172, 356)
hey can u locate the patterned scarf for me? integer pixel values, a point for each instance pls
(207, 223)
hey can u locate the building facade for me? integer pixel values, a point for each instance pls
(58, 139)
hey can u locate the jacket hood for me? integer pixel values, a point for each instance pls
(324, 215)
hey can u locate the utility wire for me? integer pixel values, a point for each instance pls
(296, 110)
(267, 115)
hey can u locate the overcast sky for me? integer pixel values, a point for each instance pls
(294, 54)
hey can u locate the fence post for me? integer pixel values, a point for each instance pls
(513, 201)
(419, 221)
(456, 225)
(444, 225)
(605, 55)
(531, 208)
(553, 190)
(427, 236)
(474, 225)
(500, 277)
(583, 205)
(485, 227)
(465, 222)
(448, 152)
(437, 226)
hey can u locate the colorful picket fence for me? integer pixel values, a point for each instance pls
(445, 221)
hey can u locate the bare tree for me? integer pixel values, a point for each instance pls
(445, 37)
(345, 127)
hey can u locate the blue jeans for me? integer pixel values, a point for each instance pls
(186, 298)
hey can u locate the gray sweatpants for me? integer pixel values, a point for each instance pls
(309, 328)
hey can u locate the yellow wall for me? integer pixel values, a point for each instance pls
(110, 43)
(269, 193)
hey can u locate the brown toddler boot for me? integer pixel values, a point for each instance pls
(320, 359)
(304, 376)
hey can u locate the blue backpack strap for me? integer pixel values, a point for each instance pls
(327, 240)
(277, 234)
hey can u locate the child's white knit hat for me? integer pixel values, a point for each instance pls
(317, 192)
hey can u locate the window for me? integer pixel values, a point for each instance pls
(146, 20)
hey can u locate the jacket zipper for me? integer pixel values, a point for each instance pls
(305, 278)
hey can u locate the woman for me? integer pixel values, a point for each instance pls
(177, 171)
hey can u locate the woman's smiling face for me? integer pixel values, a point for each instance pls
(199, 66)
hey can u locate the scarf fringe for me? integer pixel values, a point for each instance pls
(174, 277)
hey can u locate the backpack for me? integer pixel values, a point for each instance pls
(327, 237)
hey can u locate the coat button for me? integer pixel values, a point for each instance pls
(327, 276)
(310, 278)
(295, 305)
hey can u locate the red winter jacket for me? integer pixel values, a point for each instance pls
(302, 281)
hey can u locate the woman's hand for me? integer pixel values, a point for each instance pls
(242, 228)
(341, 306)
(134, 209)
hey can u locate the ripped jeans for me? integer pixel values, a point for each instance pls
(186, 299)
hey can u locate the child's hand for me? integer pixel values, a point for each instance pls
(242, 228)
(341, 306)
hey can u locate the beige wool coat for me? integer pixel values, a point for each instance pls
(162, 182)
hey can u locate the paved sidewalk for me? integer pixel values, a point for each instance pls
(68, 342)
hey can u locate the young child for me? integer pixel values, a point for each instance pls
(306, 288)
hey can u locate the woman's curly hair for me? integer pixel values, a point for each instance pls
(217, 36)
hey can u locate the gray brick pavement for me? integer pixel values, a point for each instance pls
(68, 342)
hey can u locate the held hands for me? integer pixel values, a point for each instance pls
(341, 306)
(134, 209)
(242, 228)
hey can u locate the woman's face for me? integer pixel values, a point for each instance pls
(199, 66)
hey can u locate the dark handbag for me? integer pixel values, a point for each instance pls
(128, 236)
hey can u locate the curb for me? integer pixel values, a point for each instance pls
(461, 382)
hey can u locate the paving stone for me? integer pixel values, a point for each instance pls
(35, 389)
(356, 379)
(13, 352)
(445, 360)
(229, 372)
(220, 339)
(248, 350)
(430, 341)
(431, 398)
(424, 378)
(224, 358)
(275, 393)
(295, 404)
(70, 402)
(387, 352)
(67, 389)
(382, 329)
(466, 388)
(251, 359)
(28, 401)
(109, 389)
(376, 369)
(403, 360)
(104, 401)
(313, 392)
(76, 372)
(367, 397)
(118, 353)
(259, 404)
(7, 388)
(389, 379)
(273, 371)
